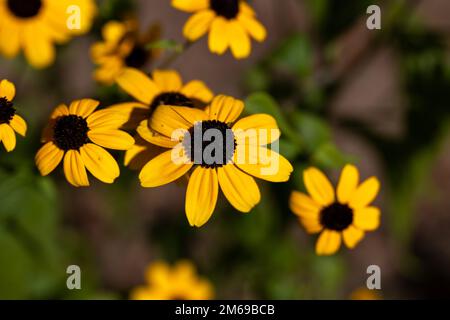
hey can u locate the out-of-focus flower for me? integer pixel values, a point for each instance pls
(35, 25)
(122, 46)
(365, 294)
(9, 120)
(79, 135)
(230, 23)
(346, 215)
(179, 282)
(243, 155)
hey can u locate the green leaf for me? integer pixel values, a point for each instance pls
(329, 156)
(295, 54)
(314, 131)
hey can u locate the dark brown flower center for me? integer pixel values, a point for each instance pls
(228, 9)
(172, 99)
(137, 58)
(336, 217)
(210, 144)
(24, 8)
(7, 110)
(70, 132)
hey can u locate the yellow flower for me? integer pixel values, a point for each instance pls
(122, 47)
(347, 215)
(35, 25)
(77, 135)
(173, 283)
(365, 294)
(9, 120)
(230, 23)
(242, 156)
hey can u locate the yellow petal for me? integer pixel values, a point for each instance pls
(311, 225)
(38, 46)
(107, 119)
(132, 113)
(347, 184)
(367, 219)
(168, 120)
(10, 37)
(137, 84)
(140, 154)
(190, 5)
(218, 38)
(201, 196)
(238, 187)
(8, 137)
(328, 243)
(61, 110)
(352, 236)
(263, 163)
(157, 139)
(239, 40)
(304, 206)
(83, 108)
(162, 170)
(111, 139)
(365, 193)
(197, 90)
(257, 129)
(225, 109)
(100, 163)
(7, 89)
(318, 186)
(19, 125)
(74, 169)
(48, 158)
(167, 80)
(198, 24)
(253, 27)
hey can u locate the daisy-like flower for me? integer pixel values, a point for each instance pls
(78, 135)
(244, 155)
(230, 23)
(346, 215)
(179, 282)
(35, 25)
(9, 120)
(122, 46)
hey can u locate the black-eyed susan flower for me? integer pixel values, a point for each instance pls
(345, 215)
(9, 120)
(122, 46)
(242, 154)
(35, 25)
(179, 282)
(77, 136)
(230, 23)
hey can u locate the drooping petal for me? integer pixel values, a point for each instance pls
(167, 80)
(311, 225)
(347, 184)
(225, 109)
(253, 27)
(138, 85)
(257, 129)
(48, 158)
(38, 47)
(328, 243)
(74, 169)
(352, 236)
(201, 196)
(365, 193)
(239, 188)
(367, 219)
(318, 186)
(7, 90)
(198, 24)
(218, 39)
(8, 137)
(131, 114)
(83, 108)
(100, 163)
(157, 139)
(111, 139)
(239, 40)
(19, 125)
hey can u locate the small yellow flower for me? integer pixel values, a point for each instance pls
(79, 135)
(122, 46)
(347, 215)
(365, 294)
(35, 25)
(173, 283)
(232, 172)
(9, 120)
(230, 23)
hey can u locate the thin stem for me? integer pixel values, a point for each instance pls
(175, 55)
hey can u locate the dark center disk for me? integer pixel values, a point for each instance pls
(228, 9)
(336, 217)
(197, 152)
(172, 99)
(137, 58)
(7, 110)
(25, 8)
(70, 132)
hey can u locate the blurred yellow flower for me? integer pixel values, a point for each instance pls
(79, 135)
(179, 282)
(35, 25)
(9, 120)
(230, 23)
(122, 46)
(364, 294)
(344, 216)
(232, 172)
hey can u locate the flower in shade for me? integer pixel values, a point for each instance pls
(9, 120)
(243, 157)
(230, 23)
(179, 282)
(35, 25)
(77, 135)
(122, 46)
(346, 215)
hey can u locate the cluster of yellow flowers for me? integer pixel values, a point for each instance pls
(78, 134)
